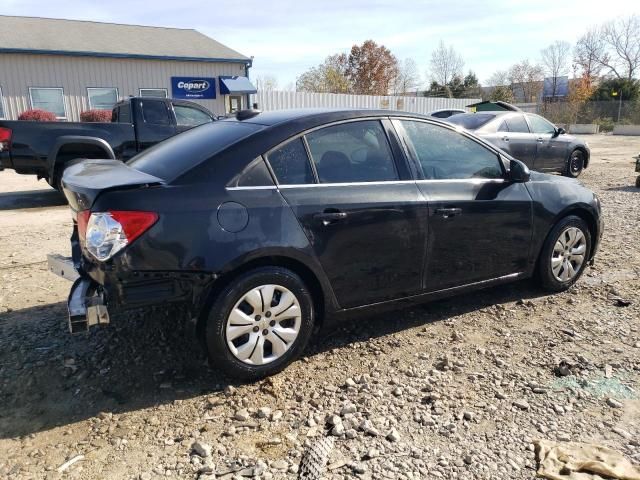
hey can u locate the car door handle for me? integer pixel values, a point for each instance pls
(330, 217)
(540, 140)
(505, 139)
(448, 212)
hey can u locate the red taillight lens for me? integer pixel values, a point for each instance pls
(5, 138)
(83, 219)
(134, 224)
(106, 233)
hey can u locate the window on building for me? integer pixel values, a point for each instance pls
(154, 92)
(102, 98)
(1, 104)
(49, 99)
(190, 116)
(352, 152)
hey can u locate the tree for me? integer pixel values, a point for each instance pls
(555, 59)
(622, 39)
(472, 87)
(587, 53)
(408, 78)
(446, 63)
(527, 79)
(328, 77)
(501, 93)
(371, 69)
(624, 88)
(266, 83)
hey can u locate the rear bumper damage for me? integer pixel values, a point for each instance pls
(86, 302)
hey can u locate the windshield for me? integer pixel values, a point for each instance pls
(471, 121)
(169, 159)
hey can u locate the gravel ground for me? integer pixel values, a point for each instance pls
(458, 388)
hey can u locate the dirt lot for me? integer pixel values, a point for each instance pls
(454, 389)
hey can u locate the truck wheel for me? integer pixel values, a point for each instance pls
(259, 323)
(575, 165)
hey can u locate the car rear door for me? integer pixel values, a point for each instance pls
(479, 222)
(154, 122)
(351, 190)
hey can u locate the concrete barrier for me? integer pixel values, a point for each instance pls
(626, 130)
(584, 128)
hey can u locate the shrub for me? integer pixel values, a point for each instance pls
(103, 116)
(37, 116)
(606, 124)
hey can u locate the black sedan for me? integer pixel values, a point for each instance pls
(530, 138)
(265, 225)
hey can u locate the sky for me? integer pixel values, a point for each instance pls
(287, 37)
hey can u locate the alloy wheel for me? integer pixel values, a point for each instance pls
(263, 324)
(568, 254)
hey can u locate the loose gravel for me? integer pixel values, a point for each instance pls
(455, 389)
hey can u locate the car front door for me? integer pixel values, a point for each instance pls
(479, 222)
(363, 215)
(551, 152)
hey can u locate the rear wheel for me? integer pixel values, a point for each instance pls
(259, 323)
(565, 254)
(575, 165)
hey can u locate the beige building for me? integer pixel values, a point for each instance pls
(70, 66)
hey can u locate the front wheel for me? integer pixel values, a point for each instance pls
(565, 254)
(259, 323)
(575, 165)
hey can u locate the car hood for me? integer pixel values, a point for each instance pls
(550, 178)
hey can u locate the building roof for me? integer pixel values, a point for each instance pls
(76, 37)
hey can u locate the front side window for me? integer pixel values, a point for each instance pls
(49, 99)
(155, 112)
(290, 163)
(540, 125)
(445, 154)
(1, 105)
(352, 152)
(189, 116)
(153, 92)
(102, 98)
(517, 124)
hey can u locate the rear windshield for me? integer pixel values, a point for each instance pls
(169, 159)
(471, 121)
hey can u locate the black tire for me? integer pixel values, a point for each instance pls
(638, 181)
(220, 354)
(545, 273)
(575, 164)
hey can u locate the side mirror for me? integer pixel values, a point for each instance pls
(518, 172)
(559, 131)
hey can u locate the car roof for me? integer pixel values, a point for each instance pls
(319, 115)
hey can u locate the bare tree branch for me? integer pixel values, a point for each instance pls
(555, 60)
(445, 64)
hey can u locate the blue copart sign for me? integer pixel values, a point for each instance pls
(193, 87)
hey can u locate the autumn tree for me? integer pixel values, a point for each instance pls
(328, 77)
(371, 69)
(587, 55)
(528, 78)
(407, 79)
(445, 64)
(555, 60)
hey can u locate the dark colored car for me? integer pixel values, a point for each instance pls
(264, 226)
(530, 138)
(446, 112)
(45, 148)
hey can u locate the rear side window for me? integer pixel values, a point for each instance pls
(446, 154)
(352, 152)
(176, 155)
(122, 114)
(290, 164)
(471, 121)
(155, 112)
(517, 123)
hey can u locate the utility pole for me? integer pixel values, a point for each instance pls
(618, 94)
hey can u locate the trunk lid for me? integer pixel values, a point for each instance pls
(84, 181)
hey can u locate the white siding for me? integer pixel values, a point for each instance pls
(272, 100)
(18, 72)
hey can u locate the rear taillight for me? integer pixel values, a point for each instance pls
(106, 233)
(5, 138)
